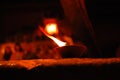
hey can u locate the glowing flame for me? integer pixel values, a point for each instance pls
(51, 28)
(57, 41)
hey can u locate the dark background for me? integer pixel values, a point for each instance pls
(105, 17)
(19, 15)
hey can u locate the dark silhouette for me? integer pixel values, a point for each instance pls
(7, 53)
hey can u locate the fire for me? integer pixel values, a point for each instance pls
(51, 28)
(57, 41)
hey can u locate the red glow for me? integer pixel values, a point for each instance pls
(57, 41)
(51, 28)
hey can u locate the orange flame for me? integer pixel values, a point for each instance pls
(51, 28)
(57, 41)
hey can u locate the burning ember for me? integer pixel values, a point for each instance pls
(51, 28)
(57, 41)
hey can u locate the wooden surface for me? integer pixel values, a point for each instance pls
(29, 64)
(61, 69)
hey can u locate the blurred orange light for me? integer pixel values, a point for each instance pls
(57, 41)
(51, 28)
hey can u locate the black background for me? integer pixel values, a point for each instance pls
(105, 17)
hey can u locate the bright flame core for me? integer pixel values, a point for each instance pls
(57, 41)
(51, 28)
